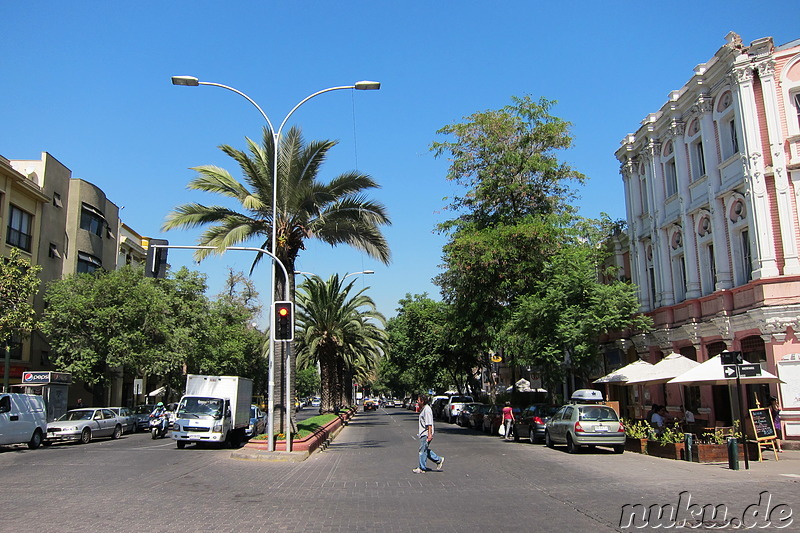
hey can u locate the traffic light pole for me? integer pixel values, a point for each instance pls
(271, 364)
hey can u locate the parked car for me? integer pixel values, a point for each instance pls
(437, 405)
(82, 425)
(463, 418)
(258, 422)
(142, 415)
(370, 405)
(493, 419)
(453, 406)
(398, 402)
(578, 425)
(531, 422)
(129, 422)
(476, 416)
(23, 419)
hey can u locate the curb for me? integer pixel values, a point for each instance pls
(302, 449)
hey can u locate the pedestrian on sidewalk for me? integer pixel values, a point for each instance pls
(425, 435)
(508, 421)
(775, 409)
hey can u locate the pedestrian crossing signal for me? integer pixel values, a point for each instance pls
(284, 321)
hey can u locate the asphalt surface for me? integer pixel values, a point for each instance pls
(363, 482)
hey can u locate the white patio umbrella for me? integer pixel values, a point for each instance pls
(668, 368)
(711, 372)
(622, 376)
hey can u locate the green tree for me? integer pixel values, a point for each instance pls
(99, 322)
(557, 328)
(337, 212)
(516, 197)
(339, 331)
(19, 282)
(418, 337)
(307, 382)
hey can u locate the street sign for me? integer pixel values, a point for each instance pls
(138, 385)
(732, 358)
(749, 371)
(729, 371)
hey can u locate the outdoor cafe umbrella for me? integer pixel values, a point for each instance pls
(621, 376)
(711, 372)
(668, 368)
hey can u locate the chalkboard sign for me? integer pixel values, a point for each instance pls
(762, 423)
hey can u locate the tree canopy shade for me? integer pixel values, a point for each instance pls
(340, 331)
(19, 282)
(98, 323)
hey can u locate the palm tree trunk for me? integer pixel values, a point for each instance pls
(327, 383)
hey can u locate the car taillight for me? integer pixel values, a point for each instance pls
(621, 428)
(578, 428)
(537, 420)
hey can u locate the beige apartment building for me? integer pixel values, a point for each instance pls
(67, 225)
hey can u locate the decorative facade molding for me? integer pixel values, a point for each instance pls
(677, 128)
(742, 74)
(766, 68)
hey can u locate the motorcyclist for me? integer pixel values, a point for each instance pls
(160, 414)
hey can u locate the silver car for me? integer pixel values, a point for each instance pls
(590, 425)
(129, 422)
(82, 425)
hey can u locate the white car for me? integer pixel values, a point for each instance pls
(23, 419)
(82, 425)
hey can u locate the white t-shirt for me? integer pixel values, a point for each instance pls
(425, 420)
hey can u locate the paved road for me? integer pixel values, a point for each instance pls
(362, 482)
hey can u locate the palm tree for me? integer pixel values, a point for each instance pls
(342, 333)
(335, 212)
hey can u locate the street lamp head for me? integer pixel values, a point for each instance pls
(185, 80)
(367, 85)
(368, 272)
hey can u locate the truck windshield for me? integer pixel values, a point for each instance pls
(200, 408)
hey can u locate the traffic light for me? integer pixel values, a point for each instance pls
(284, 321)
(156, 264)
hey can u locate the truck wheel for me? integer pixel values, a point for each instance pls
(181, 445)
(36, 440)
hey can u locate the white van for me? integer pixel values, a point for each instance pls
(23, 419)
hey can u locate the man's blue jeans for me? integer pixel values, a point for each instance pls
(426, 453)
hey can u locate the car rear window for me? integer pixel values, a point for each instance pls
(598, 413)
(462, 399)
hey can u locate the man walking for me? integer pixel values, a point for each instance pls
(425, 435)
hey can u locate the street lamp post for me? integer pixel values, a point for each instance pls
(192, 81)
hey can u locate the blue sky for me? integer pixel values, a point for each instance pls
(89, 82)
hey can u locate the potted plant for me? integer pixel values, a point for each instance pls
(669, 444)
(636, 434)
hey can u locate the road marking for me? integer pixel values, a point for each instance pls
(791, 475)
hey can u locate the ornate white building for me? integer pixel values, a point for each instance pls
(712, 192)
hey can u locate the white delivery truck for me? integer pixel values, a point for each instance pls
(215, 409)
(23, 419)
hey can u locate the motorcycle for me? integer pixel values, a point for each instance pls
(158, 426)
